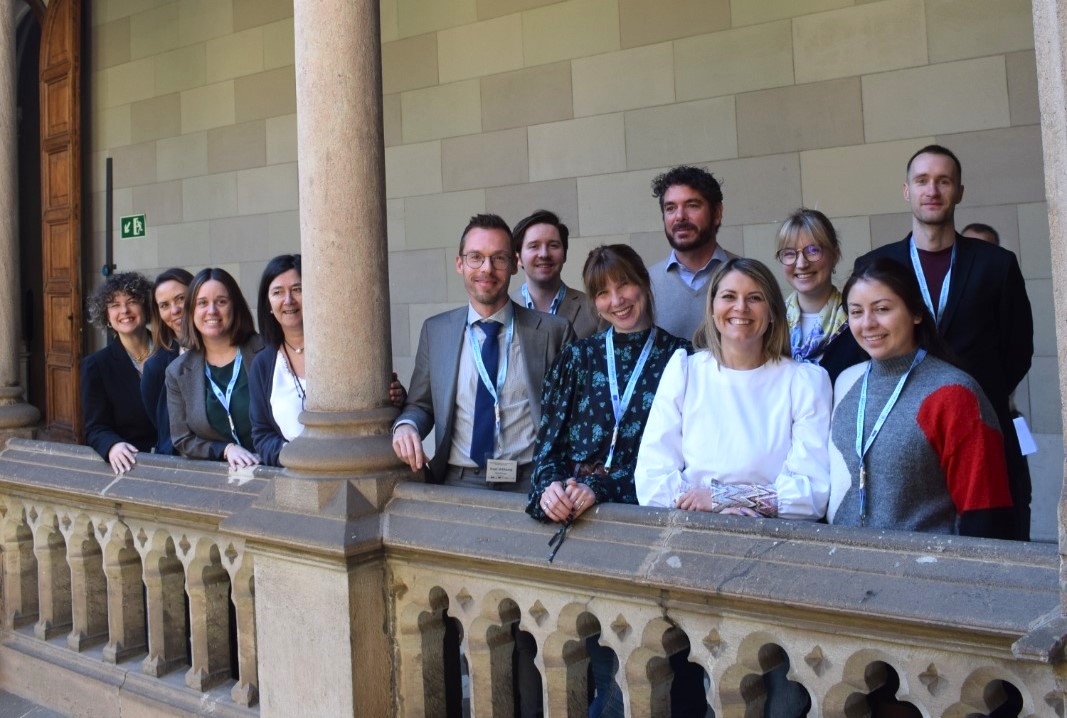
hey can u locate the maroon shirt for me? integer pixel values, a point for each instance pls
(935, 266)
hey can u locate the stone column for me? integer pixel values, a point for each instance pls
(16, 416)
(1050, 44)
(322, 599)
(341, 158)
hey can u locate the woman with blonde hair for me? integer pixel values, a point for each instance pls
(809, 251)
(739, 427)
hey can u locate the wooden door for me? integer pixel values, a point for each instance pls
(61, 216)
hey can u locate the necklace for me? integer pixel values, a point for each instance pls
(296, 380)
(298, 350)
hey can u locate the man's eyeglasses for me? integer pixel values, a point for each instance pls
(813, 253)
(475, 260)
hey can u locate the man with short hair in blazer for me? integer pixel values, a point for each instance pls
(480, 441)
(541, 244)
(986, 317)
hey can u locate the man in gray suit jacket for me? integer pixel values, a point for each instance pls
(541, 246)
(451, 370)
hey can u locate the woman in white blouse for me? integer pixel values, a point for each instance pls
(739, 427)
(277, 382)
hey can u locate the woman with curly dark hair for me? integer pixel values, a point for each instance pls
(116, 424)
(207, 386)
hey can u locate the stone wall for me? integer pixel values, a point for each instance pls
(510, 105)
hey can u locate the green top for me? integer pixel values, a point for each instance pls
(216, 412)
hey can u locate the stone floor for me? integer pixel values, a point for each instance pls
(11, 706)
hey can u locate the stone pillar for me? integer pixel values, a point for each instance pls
(316, 533)
(341, 157)
(1050, 44)
(16, 416)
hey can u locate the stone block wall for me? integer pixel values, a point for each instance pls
(510, 105)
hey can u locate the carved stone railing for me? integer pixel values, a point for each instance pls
(139, 590)
(125, 581)
(962, 625)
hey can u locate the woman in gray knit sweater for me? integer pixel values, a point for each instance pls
(914, 443)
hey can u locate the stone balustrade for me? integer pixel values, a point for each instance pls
(110, 577)
(140, 590)
(955, 627)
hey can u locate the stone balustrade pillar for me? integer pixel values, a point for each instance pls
(16, 416)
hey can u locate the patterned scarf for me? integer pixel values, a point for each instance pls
(833, 319)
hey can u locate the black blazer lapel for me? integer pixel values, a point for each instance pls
(961, 271)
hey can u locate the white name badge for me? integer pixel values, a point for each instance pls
(499, 471)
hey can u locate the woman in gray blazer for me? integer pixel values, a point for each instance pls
(207, 386)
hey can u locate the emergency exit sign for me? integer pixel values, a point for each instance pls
(132, 226)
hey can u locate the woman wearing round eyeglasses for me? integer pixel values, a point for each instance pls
(809, 251)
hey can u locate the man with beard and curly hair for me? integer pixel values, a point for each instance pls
(690, 199)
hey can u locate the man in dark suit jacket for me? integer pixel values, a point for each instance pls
(541, 244)
(985, 317)
(446, 379)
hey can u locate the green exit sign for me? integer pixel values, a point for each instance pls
(132, 226)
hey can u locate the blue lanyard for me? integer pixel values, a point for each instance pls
(496, 390)
(225, 399)
(618, 406)
(863, 447)
(555, 302)
(918, 267)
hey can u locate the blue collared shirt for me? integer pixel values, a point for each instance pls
(697, 279)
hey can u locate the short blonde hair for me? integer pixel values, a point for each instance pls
(775, 339)
(814, 223)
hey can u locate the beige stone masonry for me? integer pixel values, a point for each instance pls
(746, 12)
(182, 69)
(623, 80)
(955, 96)
(685, 132)
(264, 94)
(413, 169)
(416, 17)
(573, 29)
(532, 96)
(646, 22)
(154, 119)
(442, 111)
(409, 64)
(751, 58)
(490, 159)
(484, 48)
(235, 55)
(800, 117)
(575, 148)
(859, 40)
(973, 28)
(252, 13)
(182, 156)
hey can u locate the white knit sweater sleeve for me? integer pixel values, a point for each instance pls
(660, 470)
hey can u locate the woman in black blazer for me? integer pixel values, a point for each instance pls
(116, 424)
(207, 386)
(167, 312)
(277, 381)
(809, 250)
